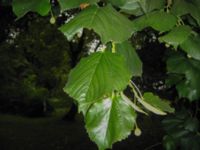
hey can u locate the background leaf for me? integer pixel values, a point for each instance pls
(21, 7)
(189, 86)
(69, 4)
(182, 131)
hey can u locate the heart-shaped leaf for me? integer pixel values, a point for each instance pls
(95, 76)
(105, 21)
(109, 121)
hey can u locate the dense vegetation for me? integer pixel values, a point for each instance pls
(119, 77)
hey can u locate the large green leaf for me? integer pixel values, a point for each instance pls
(132, 60)
(190, 86)
(183, 7)
(95, 76)
(106, 21)
(69, 4)
(176, 36)
(21, 7)
(158, 20)
(192, 47)
(109, 121)
(156, 102)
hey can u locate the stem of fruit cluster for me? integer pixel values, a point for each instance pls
(113, 47)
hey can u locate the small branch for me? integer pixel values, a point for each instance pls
(152, 146)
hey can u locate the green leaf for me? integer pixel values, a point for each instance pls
(69, 4)
(151, 108)
(156, 102)
(150, 5)
(190, 68)
(182, 131)
(96, 76)
(168, 143)
(192, 47)
(190, 142)
(138, 7)
(109, 121)
(132, 60)
(176, 36)
(130, 7)
(183, 7)
(105, 21)
(158, 20)
(21, 7)
(192, 124)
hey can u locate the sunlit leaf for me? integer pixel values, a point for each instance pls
(109, 121)
(95, 76)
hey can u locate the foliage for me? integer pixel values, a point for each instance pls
(182, 132)
(87, 84)
(98, 82)
(105, 127)
(185, 73)
(98, 19)
(20, 7)
(32, 73)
